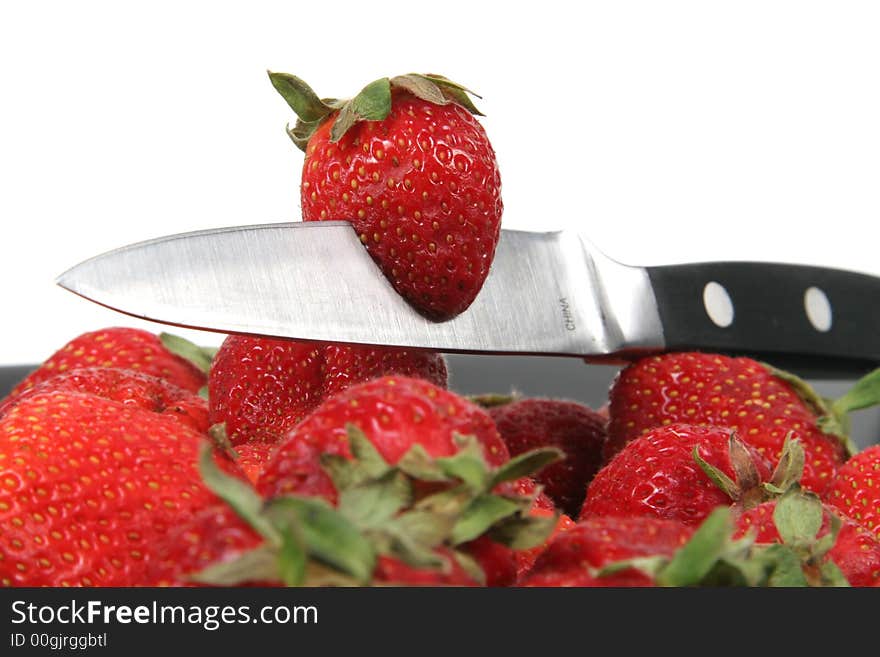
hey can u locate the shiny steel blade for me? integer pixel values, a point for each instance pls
(547, 293)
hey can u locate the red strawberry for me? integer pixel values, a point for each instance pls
(87, 488)
(855, 491)
(410, 167)
(124, 348)
(578, 431)
(657, 475)
(575, 554)
(394, 412)
(395, 572)
(261, 387)
(128, 387)
(856, 551)
(542, 507)
(252, 458)
(216, 535)
(525, 559)
(498, 562)
(390, 524)
(761, 404)
(211, 536)
(345, 365)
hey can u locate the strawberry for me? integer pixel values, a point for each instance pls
(261, 387)
(422, 522)
(763, 405)
(578, 431)
(213, 535)
(855, 491)
(217, 535)
(252, 458)
(542, 507)
(395, 413)
(829, 546)
(345, 365)
(88, 486)
(405, 162)
(120, 347)
(526, 559)
(395, 572)
(128, 387)
(790, 541)
(658, 475)
(575, 555)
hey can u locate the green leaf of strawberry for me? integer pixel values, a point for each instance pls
(523, 532)
(259, 564)
(300, 96)
(711, 556)
(467, 464)
(863, 394)
(525, 464)
(785, 567)
(374, 503)
(201, 357)
(798, 518)
(789, 469)
(480, 515)
(330, 537)
(372, 104)
(709, 544)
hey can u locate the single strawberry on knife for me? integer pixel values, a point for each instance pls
(405, 162)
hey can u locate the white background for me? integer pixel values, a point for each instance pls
(667, 131)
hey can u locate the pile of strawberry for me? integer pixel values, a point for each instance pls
(131, 459)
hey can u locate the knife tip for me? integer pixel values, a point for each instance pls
(67, 280)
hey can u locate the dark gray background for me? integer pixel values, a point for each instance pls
(565, 378)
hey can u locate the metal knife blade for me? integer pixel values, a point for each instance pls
(547, 293)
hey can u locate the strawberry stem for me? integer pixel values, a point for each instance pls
(864, 393)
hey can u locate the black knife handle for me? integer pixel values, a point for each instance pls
(767, 315)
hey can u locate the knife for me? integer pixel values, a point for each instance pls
(546, 294)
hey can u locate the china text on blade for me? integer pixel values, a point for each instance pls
(566, 314)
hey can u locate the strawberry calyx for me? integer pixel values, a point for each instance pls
(715, 557)
(789, 469)
(372, 103)
(833, 414)
(746, 489)
(746, 481)
(421, 511)
(798, 517)
(712, 557)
